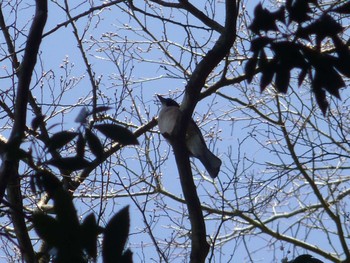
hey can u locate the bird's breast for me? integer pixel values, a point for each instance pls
(167, 119)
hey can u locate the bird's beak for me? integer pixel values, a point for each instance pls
(161, 99)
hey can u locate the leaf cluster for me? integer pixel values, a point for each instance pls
(299, 46)
(87, 137)
(71, 241)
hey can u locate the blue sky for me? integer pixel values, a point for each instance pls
(243, 140)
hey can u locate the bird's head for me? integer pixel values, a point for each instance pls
(305, 258)
(167, 102)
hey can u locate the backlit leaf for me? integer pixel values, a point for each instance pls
(58, 140)
(267, 74)
(47, 228)
(282, 79)
(89, 232)
(117, 133)
(37, 121)
(250, 68)
(264, 20)
(320, 96)
(126, 257)
(94, 143)
(342, 9)
(115, 236)
(69, 163)
(80, 146)
(302, 76)
(100, 109)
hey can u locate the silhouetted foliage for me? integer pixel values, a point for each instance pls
(85, 136)
(285, 167)
(115, 237)
(297, 44)
(71, 241)
(63, 232)
(117, 133)
(94, 143)
(60, 139)
(74, 242)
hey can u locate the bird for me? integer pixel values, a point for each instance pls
(305, 258)
(168, 117)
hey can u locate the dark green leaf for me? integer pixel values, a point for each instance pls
(48, 182)
(328, 78)
(282, 79)
(330, 26)
(342, 62)
(263, 61)
(280, 14)
(264, 20)
(67, 228)
(47, 229)
(115, 236)
(298, 10)
(16, 153)
(66, 216)
(126, 257)
(342, 9)
(80, 146)
(341, 48)
(117, 133)
(250, 68)
(82, 116)
(100, 109)
(259, 43)
(323, 27)
(89, 233)
(37, 121)
(52, 232)
(69, 163)
(302, 76)
(94, 143)
(320, 96)
(267, 75)
(60, 139)
(343, 66)
(32, 184)
(64, 208)
(288, 54)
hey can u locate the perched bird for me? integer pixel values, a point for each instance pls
(305, 259)
(168, 118)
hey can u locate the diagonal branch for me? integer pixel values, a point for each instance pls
(211, 60)
(186, 5)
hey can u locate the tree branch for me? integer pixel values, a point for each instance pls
(334, 216)
(210, 61)
(200, 247)
(186, 5)
(9, 177)
(24, 78)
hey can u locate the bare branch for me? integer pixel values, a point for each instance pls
(9, 168)
(186, 5)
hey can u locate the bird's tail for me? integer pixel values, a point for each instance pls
(211, 163)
